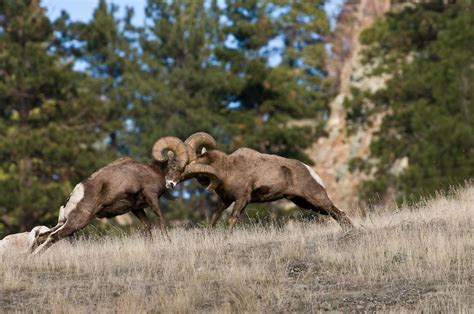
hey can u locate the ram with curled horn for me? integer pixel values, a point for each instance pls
(248, 176)
(122, 186)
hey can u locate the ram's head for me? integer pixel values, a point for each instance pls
(197, 145)
(172, 154)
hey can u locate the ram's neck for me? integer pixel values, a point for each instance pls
(158, 167)
(213, 158)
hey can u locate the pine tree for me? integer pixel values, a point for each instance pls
(51, 120)
(106, 48)
(206, 67)
(272, 97)
(179, 87)
(428, 50)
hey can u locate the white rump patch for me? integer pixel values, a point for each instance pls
(76, 196)
(315, 175)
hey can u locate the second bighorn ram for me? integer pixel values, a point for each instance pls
(122, 186)
(247, 176)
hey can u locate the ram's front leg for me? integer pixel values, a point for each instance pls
(216, 215)
(140, 214)
(152, 201)
(239, 207)
(75, 221)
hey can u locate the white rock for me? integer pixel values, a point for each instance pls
(18, 242)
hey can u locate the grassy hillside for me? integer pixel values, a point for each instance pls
(399, 260)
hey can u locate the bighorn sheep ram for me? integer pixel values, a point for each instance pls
(20, 242)
(121, 186)
(247, 176)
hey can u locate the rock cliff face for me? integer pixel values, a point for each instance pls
(333, 153)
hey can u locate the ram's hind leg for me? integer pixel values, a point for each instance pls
(340, 216)
(73, 223)
(221, 206)
(151, 197)
(239, 206)
(321, 204)
(140, 214)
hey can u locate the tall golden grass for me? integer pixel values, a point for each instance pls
(399, 260)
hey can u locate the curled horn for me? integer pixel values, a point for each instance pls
(198, 141)
(210, 172)
(173, 144)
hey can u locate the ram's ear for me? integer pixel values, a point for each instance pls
(203, 150)
(170, 155)
(197, 140)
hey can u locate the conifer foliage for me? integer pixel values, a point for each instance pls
(428, 49)
(51, 119)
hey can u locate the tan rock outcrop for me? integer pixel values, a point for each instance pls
(332, 154)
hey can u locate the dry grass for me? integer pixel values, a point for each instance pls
(408, 260)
